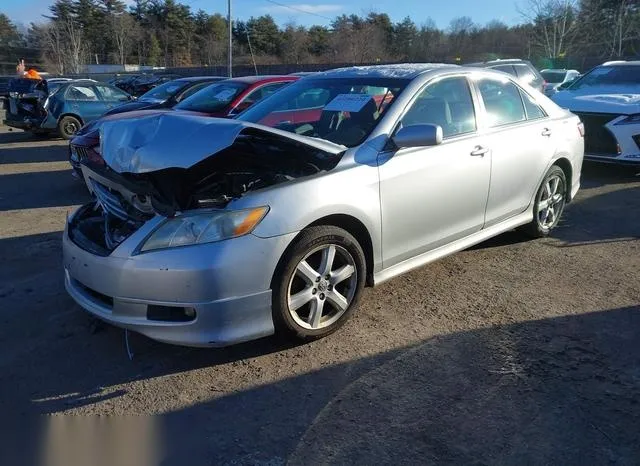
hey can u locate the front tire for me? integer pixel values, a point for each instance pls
(318, 283)
(68, 126)
(549, 203)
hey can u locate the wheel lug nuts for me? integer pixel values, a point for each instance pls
(314, 291)
(321, 295)
(318, 279)
(327, 277)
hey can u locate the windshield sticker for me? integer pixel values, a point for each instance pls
(348, 103)
(225, 94)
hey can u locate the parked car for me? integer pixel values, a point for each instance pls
(233, 96)
(59, 106)
(144, 83)
(555, 79)
(607, 100)
(223, 99)
(209, 241)
(167, 95)
(523, 70)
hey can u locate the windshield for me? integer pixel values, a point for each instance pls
(344, 111)
(554, 77)
(626, 75)
(212, 99)
(164, 91)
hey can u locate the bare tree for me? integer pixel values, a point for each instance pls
(75, 45)
(54, 52)
(124, 32)
(554, 24)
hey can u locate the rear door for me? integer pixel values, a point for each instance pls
(520, 137)
(85, 101)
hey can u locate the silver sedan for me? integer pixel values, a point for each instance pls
(209, 232)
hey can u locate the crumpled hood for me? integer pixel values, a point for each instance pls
(156, 141)
(601, 99)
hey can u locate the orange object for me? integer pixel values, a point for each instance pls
(32, 74)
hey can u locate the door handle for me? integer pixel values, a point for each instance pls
(479, 151)
(546, 132)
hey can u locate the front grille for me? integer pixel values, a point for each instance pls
(598, 140)
(101, 298)
(109, 201)
(81, 152)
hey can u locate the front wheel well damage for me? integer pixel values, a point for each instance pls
(565, 166)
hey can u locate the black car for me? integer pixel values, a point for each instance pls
(167, 95)
(521, 69)
(145, 83)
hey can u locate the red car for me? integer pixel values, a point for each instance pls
(224, 99)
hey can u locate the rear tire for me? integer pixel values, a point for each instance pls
(68, 126)
(318, 283)
(549, 204)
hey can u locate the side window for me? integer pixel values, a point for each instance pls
(502, 102)
(111, 93)
(193, 89)
(84, 93)
(447, 103)
(505, 69)
(525, 74)
(534, 112)
(262, 92)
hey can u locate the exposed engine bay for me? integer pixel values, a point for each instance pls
(125, 201)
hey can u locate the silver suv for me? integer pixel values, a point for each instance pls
(523, 70)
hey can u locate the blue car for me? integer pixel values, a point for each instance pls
(59, 106)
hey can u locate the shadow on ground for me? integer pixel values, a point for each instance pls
(33, 190)
(33, 154)
(564, 390)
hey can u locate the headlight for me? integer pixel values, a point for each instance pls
(204, 227)
(630, 120)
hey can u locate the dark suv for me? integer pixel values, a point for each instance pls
(521, 69)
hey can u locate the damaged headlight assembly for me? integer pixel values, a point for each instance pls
(203, 227)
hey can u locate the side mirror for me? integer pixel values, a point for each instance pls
(418, 136)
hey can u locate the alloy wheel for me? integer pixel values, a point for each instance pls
(551, 202)
(322, 287)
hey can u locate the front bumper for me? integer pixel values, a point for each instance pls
(226, 283)
(622, 144)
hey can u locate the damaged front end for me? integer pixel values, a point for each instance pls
(26, 106)
(150, 171)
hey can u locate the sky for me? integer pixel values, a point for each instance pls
(308, 12)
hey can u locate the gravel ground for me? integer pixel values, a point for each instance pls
(512, 352)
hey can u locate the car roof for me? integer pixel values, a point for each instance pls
(506, 61)
(261, 78)
(400, 70)
(200, 78)
(622, 63)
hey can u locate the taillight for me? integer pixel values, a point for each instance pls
(581, 129)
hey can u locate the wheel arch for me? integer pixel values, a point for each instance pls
(567, 168)
(354, 227)
(74, 115)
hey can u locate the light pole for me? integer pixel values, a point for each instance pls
(229, 21)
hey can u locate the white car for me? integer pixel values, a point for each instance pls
(607, 100)
(555, 78)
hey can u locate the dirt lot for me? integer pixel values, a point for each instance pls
(513, 352)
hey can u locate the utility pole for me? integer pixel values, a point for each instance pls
(230, 23)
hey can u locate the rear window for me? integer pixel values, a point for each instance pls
(554, 77)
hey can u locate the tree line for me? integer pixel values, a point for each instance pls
(168, 33)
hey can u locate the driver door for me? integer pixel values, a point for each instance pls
(431, 196)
